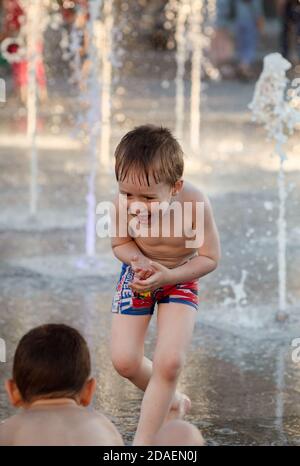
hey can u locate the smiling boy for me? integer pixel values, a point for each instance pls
(160, 268)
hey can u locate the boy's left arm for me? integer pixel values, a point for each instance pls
(209, 253)
(206, 261)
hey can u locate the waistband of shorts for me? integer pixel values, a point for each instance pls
(124, 265)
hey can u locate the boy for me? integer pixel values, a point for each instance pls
(51, 382)
(157, 268)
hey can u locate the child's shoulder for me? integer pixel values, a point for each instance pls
(101, 418)
(191, 192)
(7, 427)
(107, 425)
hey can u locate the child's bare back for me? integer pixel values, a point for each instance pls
(51, 383)
(52, 424)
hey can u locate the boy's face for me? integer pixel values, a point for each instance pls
(139, 191)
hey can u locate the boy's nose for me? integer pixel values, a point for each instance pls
(134, 209)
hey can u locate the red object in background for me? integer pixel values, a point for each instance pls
(12, 25)
(20, 73)
(13, 13)
(13, 48)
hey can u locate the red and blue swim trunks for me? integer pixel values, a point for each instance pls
(127, 301)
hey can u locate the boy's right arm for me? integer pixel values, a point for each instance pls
(124, 247)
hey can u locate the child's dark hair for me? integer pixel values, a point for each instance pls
(149, 150)
(51, 361)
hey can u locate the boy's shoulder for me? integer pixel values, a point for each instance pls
(100, 417)
(108, 425)
(191, 192)
(7, 427)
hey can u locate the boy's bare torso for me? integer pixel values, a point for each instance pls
(68, 425)
(172, 251)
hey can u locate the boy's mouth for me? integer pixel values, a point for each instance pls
(143, 218)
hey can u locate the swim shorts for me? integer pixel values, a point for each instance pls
(127, 301)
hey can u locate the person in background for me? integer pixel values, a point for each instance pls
(13, 16)
(289, 13)
(248, 23)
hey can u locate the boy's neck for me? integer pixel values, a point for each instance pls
(53, 402)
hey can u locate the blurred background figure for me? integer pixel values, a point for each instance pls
(248, 17)
(249, 23)
(289, 14)
(13, 15)
(222, 45)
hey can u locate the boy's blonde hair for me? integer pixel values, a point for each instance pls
(149, 150)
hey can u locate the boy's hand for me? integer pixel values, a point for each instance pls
(161, 276)
(141, 267)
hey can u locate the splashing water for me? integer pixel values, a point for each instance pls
(189, 38)
(95, 95)
(33, 11)
(106, 48)
(238, 288)
(195, 23)
(271, 108)
(180, 8)
(93, 122)
(33, 22)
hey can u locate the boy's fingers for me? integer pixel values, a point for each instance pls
(157, 266)
(138, 282)
(135, 268)
(148, 282)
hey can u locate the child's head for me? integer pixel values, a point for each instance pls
(51, 361)
(149, 164)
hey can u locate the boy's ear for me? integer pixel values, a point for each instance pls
(13, 393)
(177, 187)
(87, 392)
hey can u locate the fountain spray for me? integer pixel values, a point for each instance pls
(272, 109)
(179, 9)
(181, 56)
(33, 11)
(106, 80)
(189, 38)
(195, 22)
(93, 121)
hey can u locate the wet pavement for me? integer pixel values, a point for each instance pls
(239, 373)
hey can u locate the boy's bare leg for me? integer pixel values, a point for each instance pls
(127, 348)
(168, 361)
(127, 351)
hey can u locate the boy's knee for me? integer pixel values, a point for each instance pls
(126, 364)
(168, 366)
